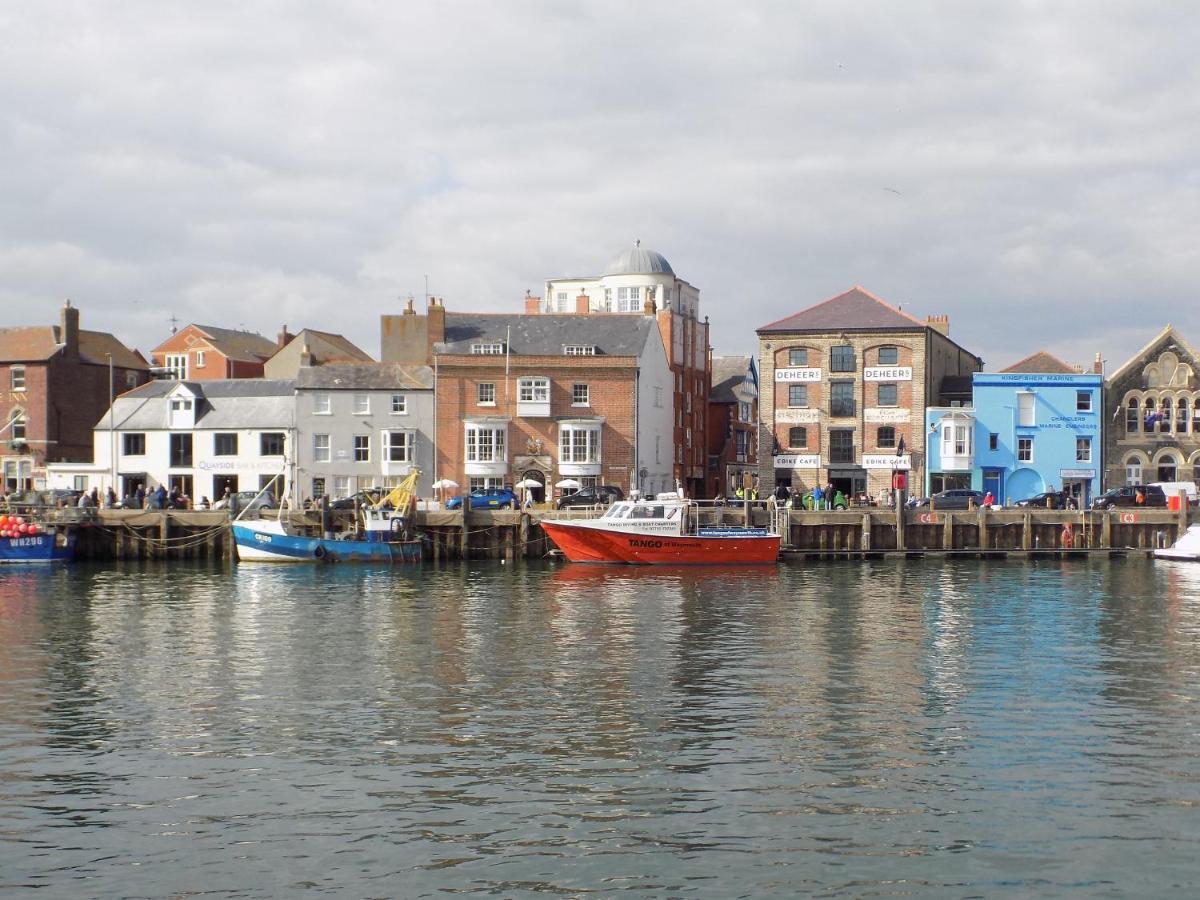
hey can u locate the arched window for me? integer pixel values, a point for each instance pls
(797, 436)
(885, 437)
(1164, 418)
(1181, 415)
(16, 426)
(1133, 469)
(1196, 415)
(1131, 416)
(1167, 469)
(1150, 417)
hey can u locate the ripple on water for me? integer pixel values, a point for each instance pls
(945, 728)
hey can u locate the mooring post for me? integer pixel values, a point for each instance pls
(1027, 531)
(1106, 530)
(865, 543)
(947, 531)
(900, 543)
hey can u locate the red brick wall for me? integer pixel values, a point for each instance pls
(612, 390)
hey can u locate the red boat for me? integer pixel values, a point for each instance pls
(663, 531)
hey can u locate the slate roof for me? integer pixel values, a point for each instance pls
(1042, 363)
(343, 350)
(546, 335)
(243, 345)
(855, 310)
(728, 372)
(38, 343)
(227, 403)
(365, 377)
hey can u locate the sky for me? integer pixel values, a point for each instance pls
(1030, 169)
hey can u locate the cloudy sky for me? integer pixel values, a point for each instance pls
(1030, 169)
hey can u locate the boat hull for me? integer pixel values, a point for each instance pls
(583, 543)
(1186, 549)
(39, 548)
(264, 544)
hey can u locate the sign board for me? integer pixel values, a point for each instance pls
(1076, 473)
(790, 416)
(883, 415)
(798, 374)
(887, 373)
(927, 518)
(1129, 518)
(794, 461)
(883, 461)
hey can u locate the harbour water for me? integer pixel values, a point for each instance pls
(880, 728)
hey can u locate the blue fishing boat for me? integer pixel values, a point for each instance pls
(380, 535)
(278, 540)
(55, 545)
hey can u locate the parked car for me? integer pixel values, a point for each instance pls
(1127, 495)
(362, 498)
(592, 495)
(486, 498)
(1047, 500)
(250, 500)
(956, 498)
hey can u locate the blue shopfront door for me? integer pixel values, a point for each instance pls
(992, 480)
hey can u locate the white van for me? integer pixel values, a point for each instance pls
(1175, 488)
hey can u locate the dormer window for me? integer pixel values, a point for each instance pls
(491, 348)
(579, 350)
(182, 412)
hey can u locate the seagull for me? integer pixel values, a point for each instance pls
(894, 191)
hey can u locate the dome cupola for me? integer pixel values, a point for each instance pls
(638, 260)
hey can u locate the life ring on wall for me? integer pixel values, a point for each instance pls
(319, 553)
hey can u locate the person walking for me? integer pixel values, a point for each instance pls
(140, 495)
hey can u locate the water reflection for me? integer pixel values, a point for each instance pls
(957, 727)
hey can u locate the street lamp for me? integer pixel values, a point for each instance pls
(112, 433)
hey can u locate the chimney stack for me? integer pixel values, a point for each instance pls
(583, 305)
(409, 309)
(70, 330)
(435, 318)
(1098, 365)
(284, 338)
(939, 323)
(306, 356)
(533, 305)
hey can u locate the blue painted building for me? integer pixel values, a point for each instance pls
(1026, 432)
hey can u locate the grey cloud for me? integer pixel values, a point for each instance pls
(1029, 170)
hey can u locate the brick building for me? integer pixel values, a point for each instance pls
(54, 386)
(543, 397)
(1152, 415)
(849, 380)
(641, 281)
(732, 423)
(206, 353)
